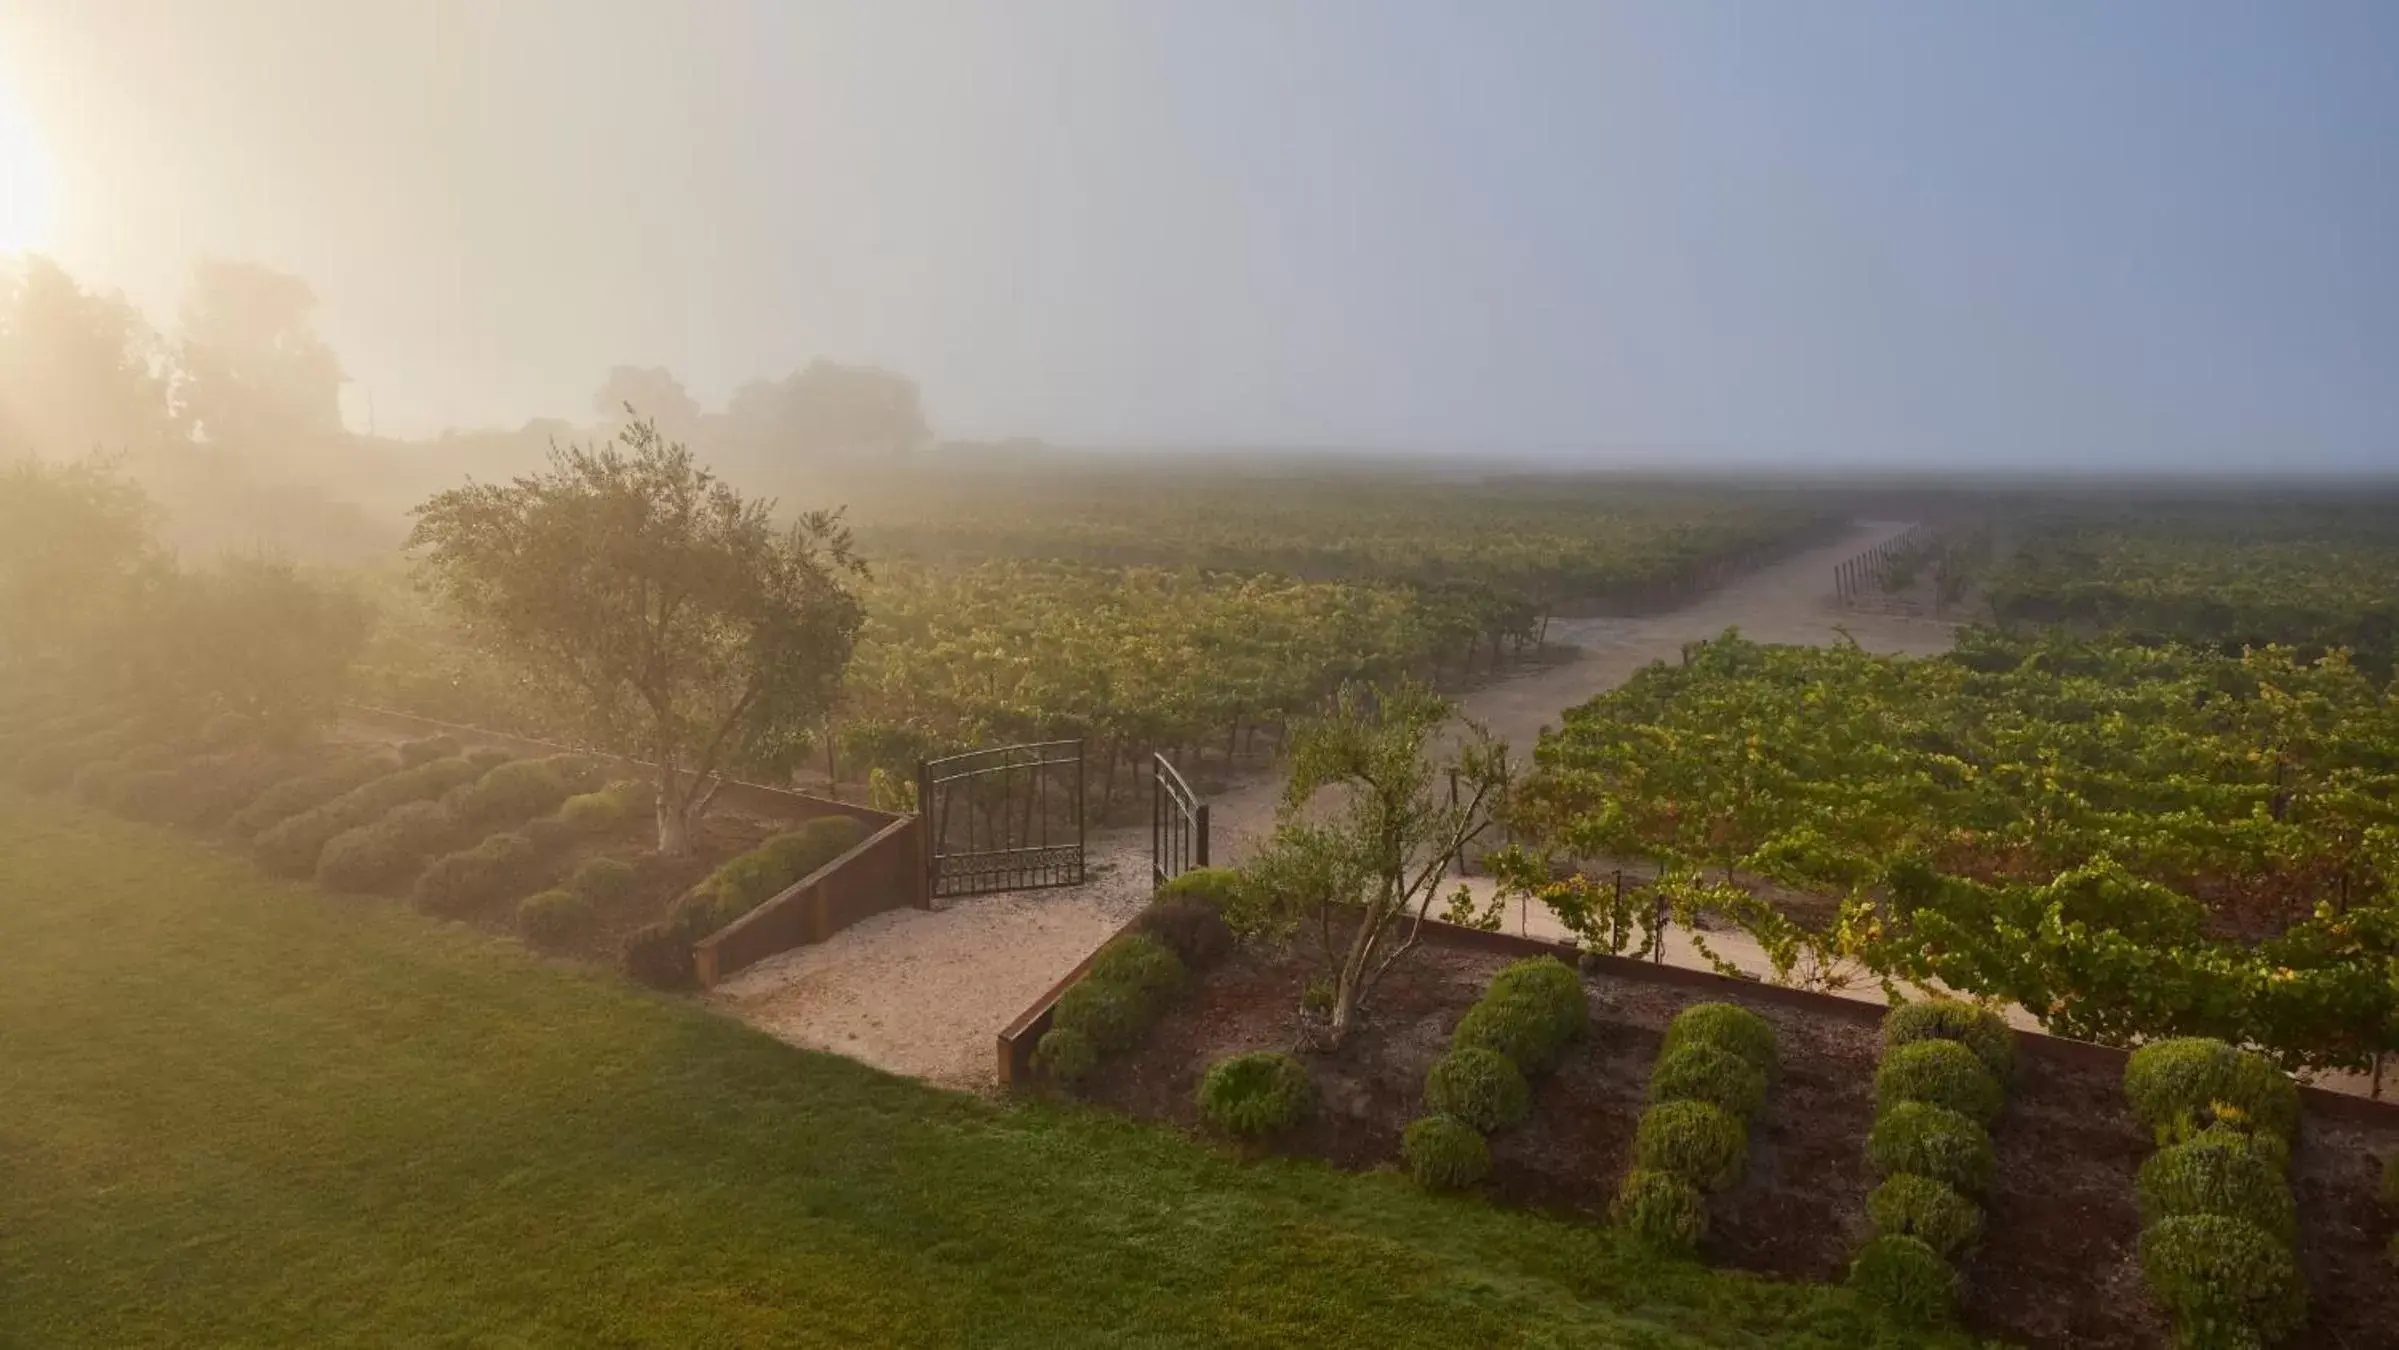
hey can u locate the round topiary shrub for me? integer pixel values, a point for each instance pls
(1533, 1011)
(462, 882)
(591, 813)
(487, 757)
(507, 794)
(2224, 1281)
(1703, 1144)
(1444, 1153)
(1907, 1205)
(1704, 1073)
(2216, 1173)
(1980, 1030)
(1931, 1141)
(1194, 931)
(1111, 1015)
(659, 955)
(1905, 1278)
(604, 881)
(1726, 1026)
(1944, 1073)
(1665, 1212)
(2184, 1083)
(1484, 1088)
(1066, 1055)
(555, 918)
(1256, 1094)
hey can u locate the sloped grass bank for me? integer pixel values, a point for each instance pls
(236, 1111)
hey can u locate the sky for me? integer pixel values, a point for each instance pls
(2142, 234)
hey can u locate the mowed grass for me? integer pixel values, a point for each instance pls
(236, 1112)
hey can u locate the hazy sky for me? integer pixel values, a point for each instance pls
(2113, 234)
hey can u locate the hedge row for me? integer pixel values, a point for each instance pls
(1134, 979)
(2218, 1228)
(1520, 1028)
(1941, 1085)
(513, 862)
(1709, 1079)
(659, 954)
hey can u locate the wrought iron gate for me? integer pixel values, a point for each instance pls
(1006, 819)
(1178, 824)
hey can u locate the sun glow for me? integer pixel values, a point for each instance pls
(25, 191)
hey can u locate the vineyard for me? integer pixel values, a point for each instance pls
(1147, 612)
(2313, 575)
(2128, 840)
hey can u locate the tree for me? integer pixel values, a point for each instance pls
(655, 604)
(1365, 867)
(655, 391)
(829, 411)
(251, 372)
(75, 548)
(78, 372)
(250, 635)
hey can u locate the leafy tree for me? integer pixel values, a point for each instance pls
(826, 410)
(653, 389)
(1364, 866)
(250, 371)
(78, 372)
(75, 548)
(661, 608)
(250, 635)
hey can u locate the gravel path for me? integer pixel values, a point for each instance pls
(924, 993)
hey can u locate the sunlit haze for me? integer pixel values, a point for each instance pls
(2149, 235)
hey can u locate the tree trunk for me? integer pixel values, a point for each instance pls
(1350, 983)
(674, 829)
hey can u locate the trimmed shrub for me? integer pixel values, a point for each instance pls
(1143, 966)
(554, 918)
(1726, 1026)
(100, 782)
(2187, 1082)
(1215, 887)
(1703, 1144)
(506, 795)
(488, 757)
(1905, 1278)
(1931, 1141)
(659, 955)
(1066, 1055)
(2217, 1173)
(390, 849)
(1129, 985)
(605, 881)
(814, 844)
(1947, 1019)
(2224, 1281)
(1444, 1153)
(1256, 1094)
(290, 848)
(462, 882)
(1704, 1073)
(427, 750)
(1532, 1012)
(1944, 1073)
(1665, 1212)
(1194, 931)
(1481, 1087)
(50, 766)
(1907, 1205)
(592, 812)
(745, 882)
(202, 792)
(291, 796)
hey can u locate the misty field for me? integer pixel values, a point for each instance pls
(241, 1112)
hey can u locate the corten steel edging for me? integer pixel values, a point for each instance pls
(1017, 1040)
(804, 909)
(754, 798)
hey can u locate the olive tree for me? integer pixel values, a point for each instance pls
(1373, 817)
(653, 603)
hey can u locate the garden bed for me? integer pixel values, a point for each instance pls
(2058, 1266)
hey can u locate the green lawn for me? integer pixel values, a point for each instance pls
(239, 1112)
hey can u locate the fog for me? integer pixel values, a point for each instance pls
(2124, 238)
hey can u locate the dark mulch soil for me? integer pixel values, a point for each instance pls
(2057, 1267)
